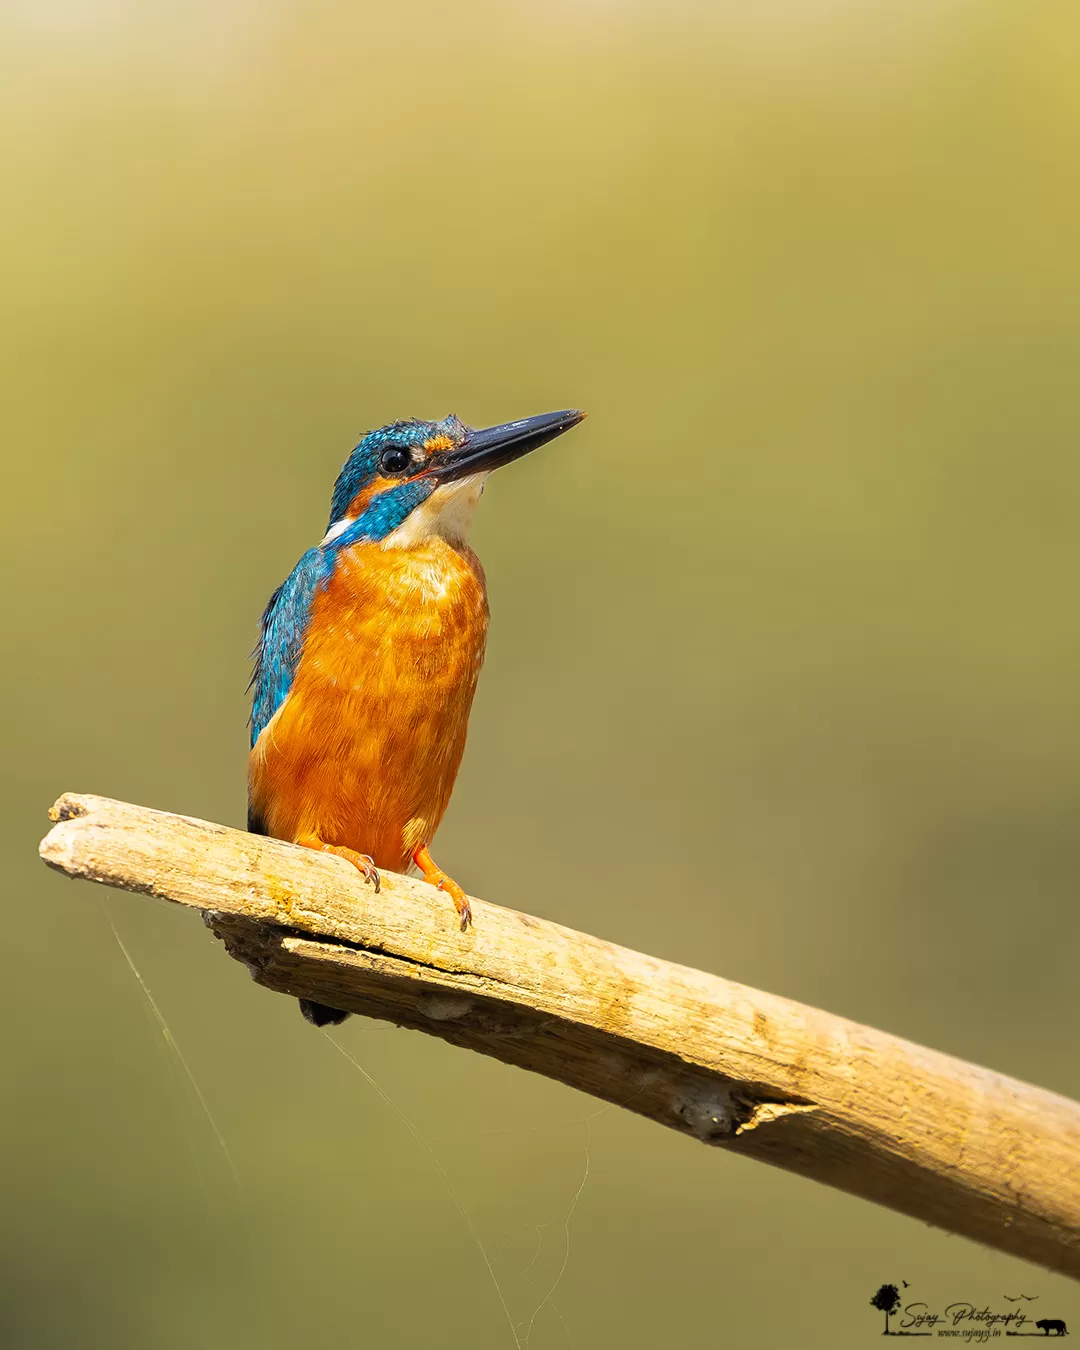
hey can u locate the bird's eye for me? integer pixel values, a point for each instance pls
(395, 460)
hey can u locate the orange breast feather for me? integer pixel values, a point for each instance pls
(366, 746)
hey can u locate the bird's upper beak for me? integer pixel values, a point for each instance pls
(482, 451)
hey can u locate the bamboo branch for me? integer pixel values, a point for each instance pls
(933, 1137)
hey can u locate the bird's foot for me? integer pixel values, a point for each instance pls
(435, 876)
(360, 861)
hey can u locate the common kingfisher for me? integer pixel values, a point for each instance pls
(369, 654)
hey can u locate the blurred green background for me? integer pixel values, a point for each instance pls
(790, 624)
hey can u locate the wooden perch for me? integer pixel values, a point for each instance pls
(933, 1137)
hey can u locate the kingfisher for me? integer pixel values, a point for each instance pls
(370, 650)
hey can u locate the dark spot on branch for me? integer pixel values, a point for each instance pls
(66, 808)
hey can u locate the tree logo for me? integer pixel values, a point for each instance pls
(887, 1300)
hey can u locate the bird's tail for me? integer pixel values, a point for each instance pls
(319, 1015)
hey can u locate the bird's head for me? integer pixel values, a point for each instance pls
(410, 480)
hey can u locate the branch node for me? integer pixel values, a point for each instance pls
(708, 1112)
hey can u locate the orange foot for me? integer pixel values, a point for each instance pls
(360, 861)
(437, 877)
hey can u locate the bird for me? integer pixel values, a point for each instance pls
(369, 653)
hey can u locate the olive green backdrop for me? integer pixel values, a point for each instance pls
(785, 647)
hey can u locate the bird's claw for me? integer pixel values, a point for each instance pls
(454, 891)
(435, 876)
(363, 864)
(370, 871)
(461, 903)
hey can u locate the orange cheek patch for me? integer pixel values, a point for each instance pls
(438, 443)
(367, 495)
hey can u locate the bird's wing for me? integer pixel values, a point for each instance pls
(281, 640)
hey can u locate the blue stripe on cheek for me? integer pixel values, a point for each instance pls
(385, 512)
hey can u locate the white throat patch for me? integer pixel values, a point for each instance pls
(339, 527)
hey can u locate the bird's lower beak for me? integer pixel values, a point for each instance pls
(482, 451)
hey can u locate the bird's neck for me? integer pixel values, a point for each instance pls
(432, 570)
(446, 515)
(424, 560)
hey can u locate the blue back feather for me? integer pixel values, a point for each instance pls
(284, 623)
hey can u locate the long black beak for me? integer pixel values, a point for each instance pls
(482, 451)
